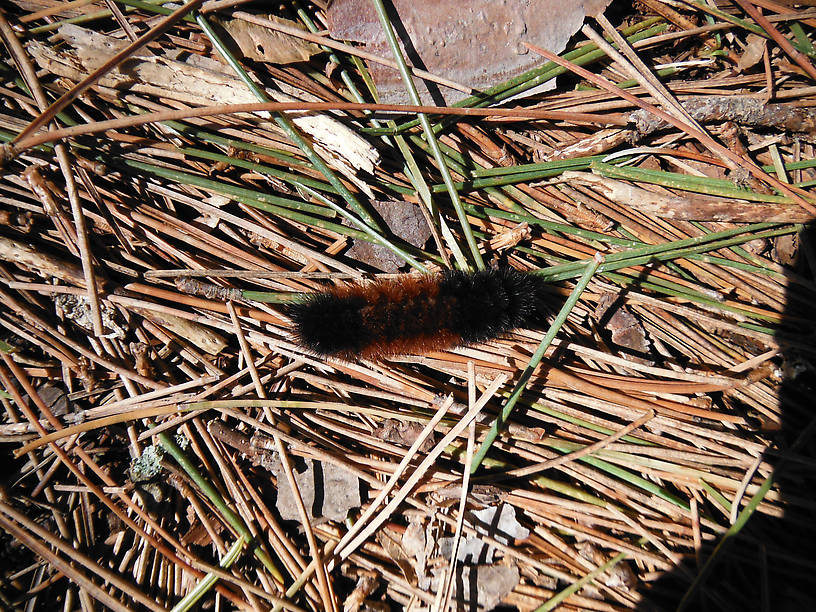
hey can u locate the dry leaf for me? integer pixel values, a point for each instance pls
(328, 491)
(500, 523)
(625, 328)
(480, 587)
(264, 45)
(403, 432)
(754, 50)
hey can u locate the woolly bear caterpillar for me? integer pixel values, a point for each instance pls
(416, 313)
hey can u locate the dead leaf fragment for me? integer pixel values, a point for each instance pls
(480, 587)
(328, 491)
(264, 45)
(497, 522)
(500, 523)
(754, 50)
(404, 433)
(625, 328)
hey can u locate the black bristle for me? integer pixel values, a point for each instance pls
(326, 324)
(491, 301)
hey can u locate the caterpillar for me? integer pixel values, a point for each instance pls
(415, 314)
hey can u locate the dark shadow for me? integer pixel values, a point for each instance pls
(770, 563)
(319, 489)
(412, 56)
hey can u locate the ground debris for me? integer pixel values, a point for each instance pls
(739, 109)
